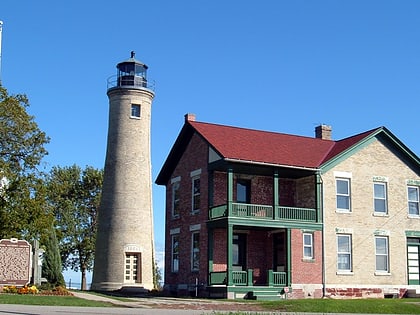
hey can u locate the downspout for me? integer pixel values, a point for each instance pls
(320, 203)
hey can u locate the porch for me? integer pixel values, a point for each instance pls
(255, 211)
(243, 285)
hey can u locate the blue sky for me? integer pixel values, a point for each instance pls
(282, 66)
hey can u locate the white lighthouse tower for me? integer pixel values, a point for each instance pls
(124, 246)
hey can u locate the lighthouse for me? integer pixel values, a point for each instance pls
(124, 243)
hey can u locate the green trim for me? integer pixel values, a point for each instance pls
(381, 134)
(347, 153)
(318, 197)
(229, 190)
(275, 224)
(276, 192)
(289, 257)
(210, 249)
(412, 233)
(413, 182)
(229, 237)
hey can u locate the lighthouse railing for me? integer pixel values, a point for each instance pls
(130, 81)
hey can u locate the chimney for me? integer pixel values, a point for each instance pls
(323, 132)
(189, 117)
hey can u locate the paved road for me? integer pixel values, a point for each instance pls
(13, 309)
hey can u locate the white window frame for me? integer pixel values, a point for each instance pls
(310, 246)
(195, 251)
(383, 254)
(382, 198)
(343, 195)
(413, 202)
(135, 111)
(176, 186)
(175, 253)
(348, 253)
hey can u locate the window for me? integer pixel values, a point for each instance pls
(175, 253)
(379, 198)
(381, 252)
(343, 194)
(195, 252)
(413, 200)
(196, 194)
(135, 110)
(344, 252)
(308, 246)
(175, 199)
(243, 191)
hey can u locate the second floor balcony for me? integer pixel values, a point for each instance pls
(263, 212)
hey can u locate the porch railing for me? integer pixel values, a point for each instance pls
(274, 278)
(244, 210)
(254, 211)
(299, 214)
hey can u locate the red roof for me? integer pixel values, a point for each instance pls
(270, 147)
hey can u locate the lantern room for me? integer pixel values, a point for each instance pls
(131, 73)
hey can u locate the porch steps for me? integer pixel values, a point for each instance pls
(266, 295)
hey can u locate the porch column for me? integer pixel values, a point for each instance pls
(229, 191)
(229, 232)
(275, 194)
(318, 198)
(210, 250)
(289, 257)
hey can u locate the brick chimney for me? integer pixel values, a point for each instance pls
(323, 132)
(189, 117)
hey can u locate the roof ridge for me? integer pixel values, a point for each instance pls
(258, 130)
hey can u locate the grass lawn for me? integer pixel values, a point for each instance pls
(367, 306)
(49, 300)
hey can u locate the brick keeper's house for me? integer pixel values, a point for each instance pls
(259, 214)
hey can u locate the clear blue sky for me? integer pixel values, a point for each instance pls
(283, 66)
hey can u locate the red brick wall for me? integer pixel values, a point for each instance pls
(195, 157)
(304, 271)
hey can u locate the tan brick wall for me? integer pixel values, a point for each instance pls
(373, 160)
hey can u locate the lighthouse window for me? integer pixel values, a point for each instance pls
(135, 110)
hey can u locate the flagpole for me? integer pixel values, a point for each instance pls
(1, 31)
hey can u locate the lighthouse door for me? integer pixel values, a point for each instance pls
(132, 268)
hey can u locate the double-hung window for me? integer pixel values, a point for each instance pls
(344, 259)
(343, 194)
(413, 200)
(381, 252)
(175, 198)
(196, 194)
(308, 246)
(175, 253)
(195, 251)
(380, 198)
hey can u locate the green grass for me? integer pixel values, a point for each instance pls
(49, 300)
(368, 306)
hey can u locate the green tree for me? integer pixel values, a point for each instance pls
(22, 207)
(74, 194)
(51, 265)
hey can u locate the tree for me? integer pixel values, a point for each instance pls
(75, 195)
(22, 208)
(51, 265)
